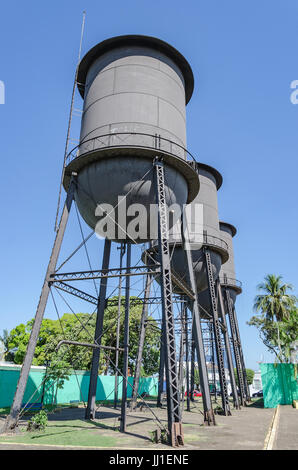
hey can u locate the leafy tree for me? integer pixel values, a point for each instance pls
(5, 353)
(196, 378)
(249, 374)
(81, 328)
(288, 333)
(277, 321)
(19, 337)
(278, 337)
(56, 373)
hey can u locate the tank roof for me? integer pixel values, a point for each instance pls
(210, 169)
(230, 226)
(136, 40)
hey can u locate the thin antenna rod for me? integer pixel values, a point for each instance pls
(69, 121)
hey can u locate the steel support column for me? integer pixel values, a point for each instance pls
(228, 348)
(122, 251)
(12, 419)
(246, 386)
(126, 344)
(217, 335)
(213, 360)
(91, 406)
(197, 334)
(173, 398)
(235, 347)
(192, 368)
(161, 367)
(186, 358)
(143, 323)
(181, 354)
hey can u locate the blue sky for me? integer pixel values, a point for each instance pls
(240, 120)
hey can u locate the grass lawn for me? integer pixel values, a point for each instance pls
(49, 408)
(74, 432)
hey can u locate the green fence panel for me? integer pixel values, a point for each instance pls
(74, 389)
(280, 384)
(148, 385)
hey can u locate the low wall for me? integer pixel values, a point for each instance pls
(76, 388)
(280, 384)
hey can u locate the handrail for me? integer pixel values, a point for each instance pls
(203, 239)
(230, 281)
(115, 140)
(212, 241)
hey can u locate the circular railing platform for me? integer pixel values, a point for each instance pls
(230, 282)
(202, 240)
(130, 140)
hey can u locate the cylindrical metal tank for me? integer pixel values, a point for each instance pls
(227, 274)
(203, 224)
(135, 90)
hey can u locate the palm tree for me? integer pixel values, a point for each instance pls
(275, 303)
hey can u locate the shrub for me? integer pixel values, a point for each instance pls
(38, 422)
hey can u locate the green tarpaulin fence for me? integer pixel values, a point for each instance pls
(74, 389)
(280, 384)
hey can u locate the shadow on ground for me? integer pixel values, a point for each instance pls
(257, 403)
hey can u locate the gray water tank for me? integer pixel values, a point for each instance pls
(205, 228)
(135, 90)
(227, 274)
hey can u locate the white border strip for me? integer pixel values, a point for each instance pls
(270, 437)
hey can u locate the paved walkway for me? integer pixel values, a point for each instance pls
(246, 429)
(287, 429)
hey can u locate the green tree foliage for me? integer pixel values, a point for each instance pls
(81, 328)
(5, 353)
(278, 337)
(277, 318)
(274, 302)
(38, 422)
(249, 374)
(19, 337)
(196, 378)
(56, 373)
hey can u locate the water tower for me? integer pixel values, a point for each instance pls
(203, 231)
(209, 251)
(231, 287)
(131, 157)
(227, 272)
(129, 166)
